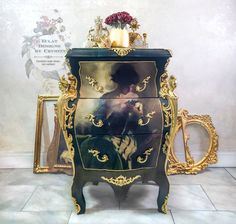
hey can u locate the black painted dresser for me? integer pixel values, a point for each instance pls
(117, 111)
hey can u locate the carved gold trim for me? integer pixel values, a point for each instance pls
(66, 109)
(164, 208)
(149, 116)
(169, 107)
(147, 153)
(93, 82)
(96, 153)
(167, 114)
(120, 180)
(190, 166)
(77, 206)
(144, 83)
(166, 145)
(91, 118)
(122, 51)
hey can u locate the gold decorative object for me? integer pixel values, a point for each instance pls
(122, 51)
(91, 118)
(99, 36)
(144, 82)
(145, 44)
(146, 154)
(164, 208)
(135, 39)
(120, 180)
(96, 153)
(190, 166)
(149, 116)
(94, 84)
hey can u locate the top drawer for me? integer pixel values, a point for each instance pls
(101, 79)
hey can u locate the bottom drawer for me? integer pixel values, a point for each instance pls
(119, 152)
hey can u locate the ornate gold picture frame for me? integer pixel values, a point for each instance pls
(54, 153)
(190, 166)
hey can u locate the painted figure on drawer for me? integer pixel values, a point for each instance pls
(114, 120)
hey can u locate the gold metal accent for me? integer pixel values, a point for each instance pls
(167, 114)
(91, 118)
(146, 154)
(149, 116)
(66, 110)
(190, 166)
(169, 107)
(166, 145)
(77, 206)
(164, 86)
(37, 168)
(120, 180)
(167, 87)
(94, 84)
(144, 82)
(63, 84)
(164, 208)
(122, 51)
(96, 153)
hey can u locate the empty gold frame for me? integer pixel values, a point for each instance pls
(52, 165)
(190, 166)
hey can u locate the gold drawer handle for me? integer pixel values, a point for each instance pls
(91, 118)
(146, 154)
(96, 153)
(93, 82)
(149, 116)
(144, 82)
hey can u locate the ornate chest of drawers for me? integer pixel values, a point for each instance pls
(117, 110)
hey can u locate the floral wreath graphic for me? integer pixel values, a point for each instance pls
(45, 27)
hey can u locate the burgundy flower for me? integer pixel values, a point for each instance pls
(119, 18)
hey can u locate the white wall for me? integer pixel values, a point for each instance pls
(200, 33)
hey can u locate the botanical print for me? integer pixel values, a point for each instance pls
(44, 51)
(110, 136)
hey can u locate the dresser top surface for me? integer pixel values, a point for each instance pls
(110, 53)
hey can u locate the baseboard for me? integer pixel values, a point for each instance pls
(25, 159)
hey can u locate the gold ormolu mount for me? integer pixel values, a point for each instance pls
(122, 51)
(120, 180)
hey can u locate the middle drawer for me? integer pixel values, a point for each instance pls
(118, 116)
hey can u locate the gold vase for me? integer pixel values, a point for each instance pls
(119, 37)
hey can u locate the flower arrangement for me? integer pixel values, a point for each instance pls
(119, 19)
